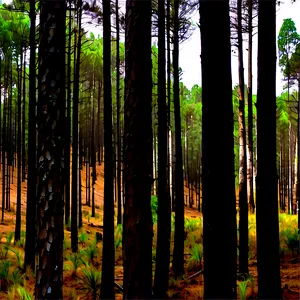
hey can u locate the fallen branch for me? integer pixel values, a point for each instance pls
(120, 288)
(196, 274)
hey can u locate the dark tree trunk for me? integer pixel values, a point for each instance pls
(68, 125)
(24, 120)
(19, 156)
(32, 162)
(178, 259)
(138, 226)
(108, 257)
(218, 187)
(4, 151)
(298, 155)
(74, 210)
(267, 226)
(243, 201)
(119, 164)
(51, 119)
(250, 109)
(161, 280)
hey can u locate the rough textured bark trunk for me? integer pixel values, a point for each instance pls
(138, 226)
(243, 201)
(267, 226)
(161, 280)
(51, 119)
(29, 259)
(218, 171)
(178, 255)
(108, 257)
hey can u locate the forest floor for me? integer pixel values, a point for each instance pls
(75, 279)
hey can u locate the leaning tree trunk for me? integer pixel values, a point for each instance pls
(51, 119)
(138, 226)
(218, 185)
(267, 226)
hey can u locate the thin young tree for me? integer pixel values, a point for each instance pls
(138, 226)
(267, 225)
(108, 257)
(219, 202)
(51, 119)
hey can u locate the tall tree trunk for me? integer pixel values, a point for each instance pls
(4, 151)
(138, 226)
(267, 226)
(218, 228)
(24, 120)
(68, 125)
(29, 259)
(243, 201)
(51, 119)
(119, 164)
(161, 280)
(298, 155)
(178, 258)
(108, 257)
(19, 156)
(250, 108)
(74, 210)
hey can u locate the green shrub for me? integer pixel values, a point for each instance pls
(242, 285)
(4, 271)
(83, 237)
(24, 295)
(91, 282)
(77, 261)
(91, 251)
(19, 256)
(196, 257)
(16, 278)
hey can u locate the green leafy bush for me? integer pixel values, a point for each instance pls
(4, 271)
(91, 282)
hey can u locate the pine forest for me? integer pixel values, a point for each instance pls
(121, 180)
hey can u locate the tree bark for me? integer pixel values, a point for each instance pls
(51, 119)
(138, 227)
(108, 257)
(29, 259)
(161, 280)
(267, 226)
(218, 170)
(178, 258)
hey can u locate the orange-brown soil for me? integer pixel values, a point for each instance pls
(182, 289)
